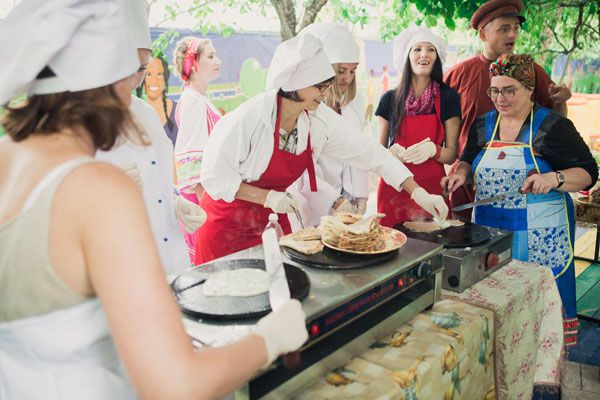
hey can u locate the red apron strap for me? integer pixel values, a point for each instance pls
(438, 106)
(312, 177)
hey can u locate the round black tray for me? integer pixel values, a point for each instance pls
(333, 259)
(191, 299)
(454, 237)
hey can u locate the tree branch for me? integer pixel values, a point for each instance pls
(574, 37)
(310, 12)
(187, 10)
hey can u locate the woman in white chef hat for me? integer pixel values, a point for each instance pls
(258, 150)
(81, 284)
(418, 121)
(152, 165)
(341, 187)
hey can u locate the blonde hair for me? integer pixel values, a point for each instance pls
(181, 49)
(334, 97)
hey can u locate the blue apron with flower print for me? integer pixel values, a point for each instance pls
(543, 224)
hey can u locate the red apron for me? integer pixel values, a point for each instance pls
(235, 226)
(398, 206)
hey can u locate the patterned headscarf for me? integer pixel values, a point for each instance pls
(516, 66)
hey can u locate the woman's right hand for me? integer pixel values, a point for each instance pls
(398, 151)
(281, 202)
(283, 330)
(433, 204)
(452, 182)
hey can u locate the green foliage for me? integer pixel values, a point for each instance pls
(549, 30)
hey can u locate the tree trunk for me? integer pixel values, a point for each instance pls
(286, 12)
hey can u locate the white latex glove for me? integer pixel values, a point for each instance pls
(420, 152)
(361, 205)
(281, 202)
(190, 214)
(283, 330)
(133, 172)
(433, 204)
(398, 151)
(346, 206)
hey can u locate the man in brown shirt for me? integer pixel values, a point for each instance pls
(498, 23)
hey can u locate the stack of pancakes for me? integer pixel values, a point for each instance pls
(360, 235)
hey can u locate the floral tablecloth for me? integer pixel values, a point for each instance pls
(445, 353)
(528, 326)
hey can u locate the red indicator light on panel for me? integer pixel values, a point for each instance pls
(314, 330)
(411, 280)
(400, 282)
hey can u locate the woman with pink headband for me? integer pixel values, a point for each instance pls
(197, 64)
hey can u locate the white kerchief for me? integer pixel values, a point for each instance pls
(84, 42)
(298, 63)
(338, 42)
(416, 34)
(136, 18)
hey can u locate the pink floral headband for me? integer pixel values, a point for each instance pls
(190, 60)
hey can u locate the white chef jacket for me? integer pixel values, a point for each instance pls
(155, 163)
(241, 145)
(335, 178)
(192, 123)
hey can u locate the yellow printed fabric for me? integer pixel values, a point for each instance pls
(445, 353)
(528, 325)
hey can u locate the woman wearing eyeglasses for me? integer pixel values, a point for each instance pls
(522, 146)
(418, 121)
(257, 151)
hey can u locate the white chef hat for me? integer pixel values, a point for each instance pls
(84, 42)
(338, 42)
(416, 34)
(298, 63)
(136, 18)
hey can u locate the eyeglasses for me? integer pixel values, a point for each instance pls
(507, 92)
(323, 86)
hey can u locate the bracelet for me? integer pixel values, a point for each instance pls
(438, 152)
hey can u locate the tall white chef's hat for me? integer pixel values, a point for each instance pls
(84, 42)
(416, 34)
(298, 63)
(338, 42)
(136, 18)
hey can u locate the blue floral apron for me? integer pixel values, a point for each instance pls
(543, 224)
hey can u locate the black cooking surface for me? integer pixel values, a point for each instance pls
(190, 296)
(468, 235)
(333, 259)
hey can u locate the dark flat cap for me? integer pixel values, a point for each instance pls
(494, 9)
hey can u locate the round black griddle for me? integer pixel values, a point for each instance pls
(333, 259)
(191, 299)
(454, 237)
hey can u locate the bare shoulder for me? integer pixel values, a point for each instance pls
(99, 185)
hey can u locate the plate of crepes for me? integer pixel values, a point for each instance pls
(353, 233)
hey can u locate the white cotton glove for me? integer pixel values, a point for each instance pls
(190, 214)
(420, 152)
(283, 330)
(133, 172)
(433, 204)
(346, 206)
(361, 205)
(281, 202)
(398, 151)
